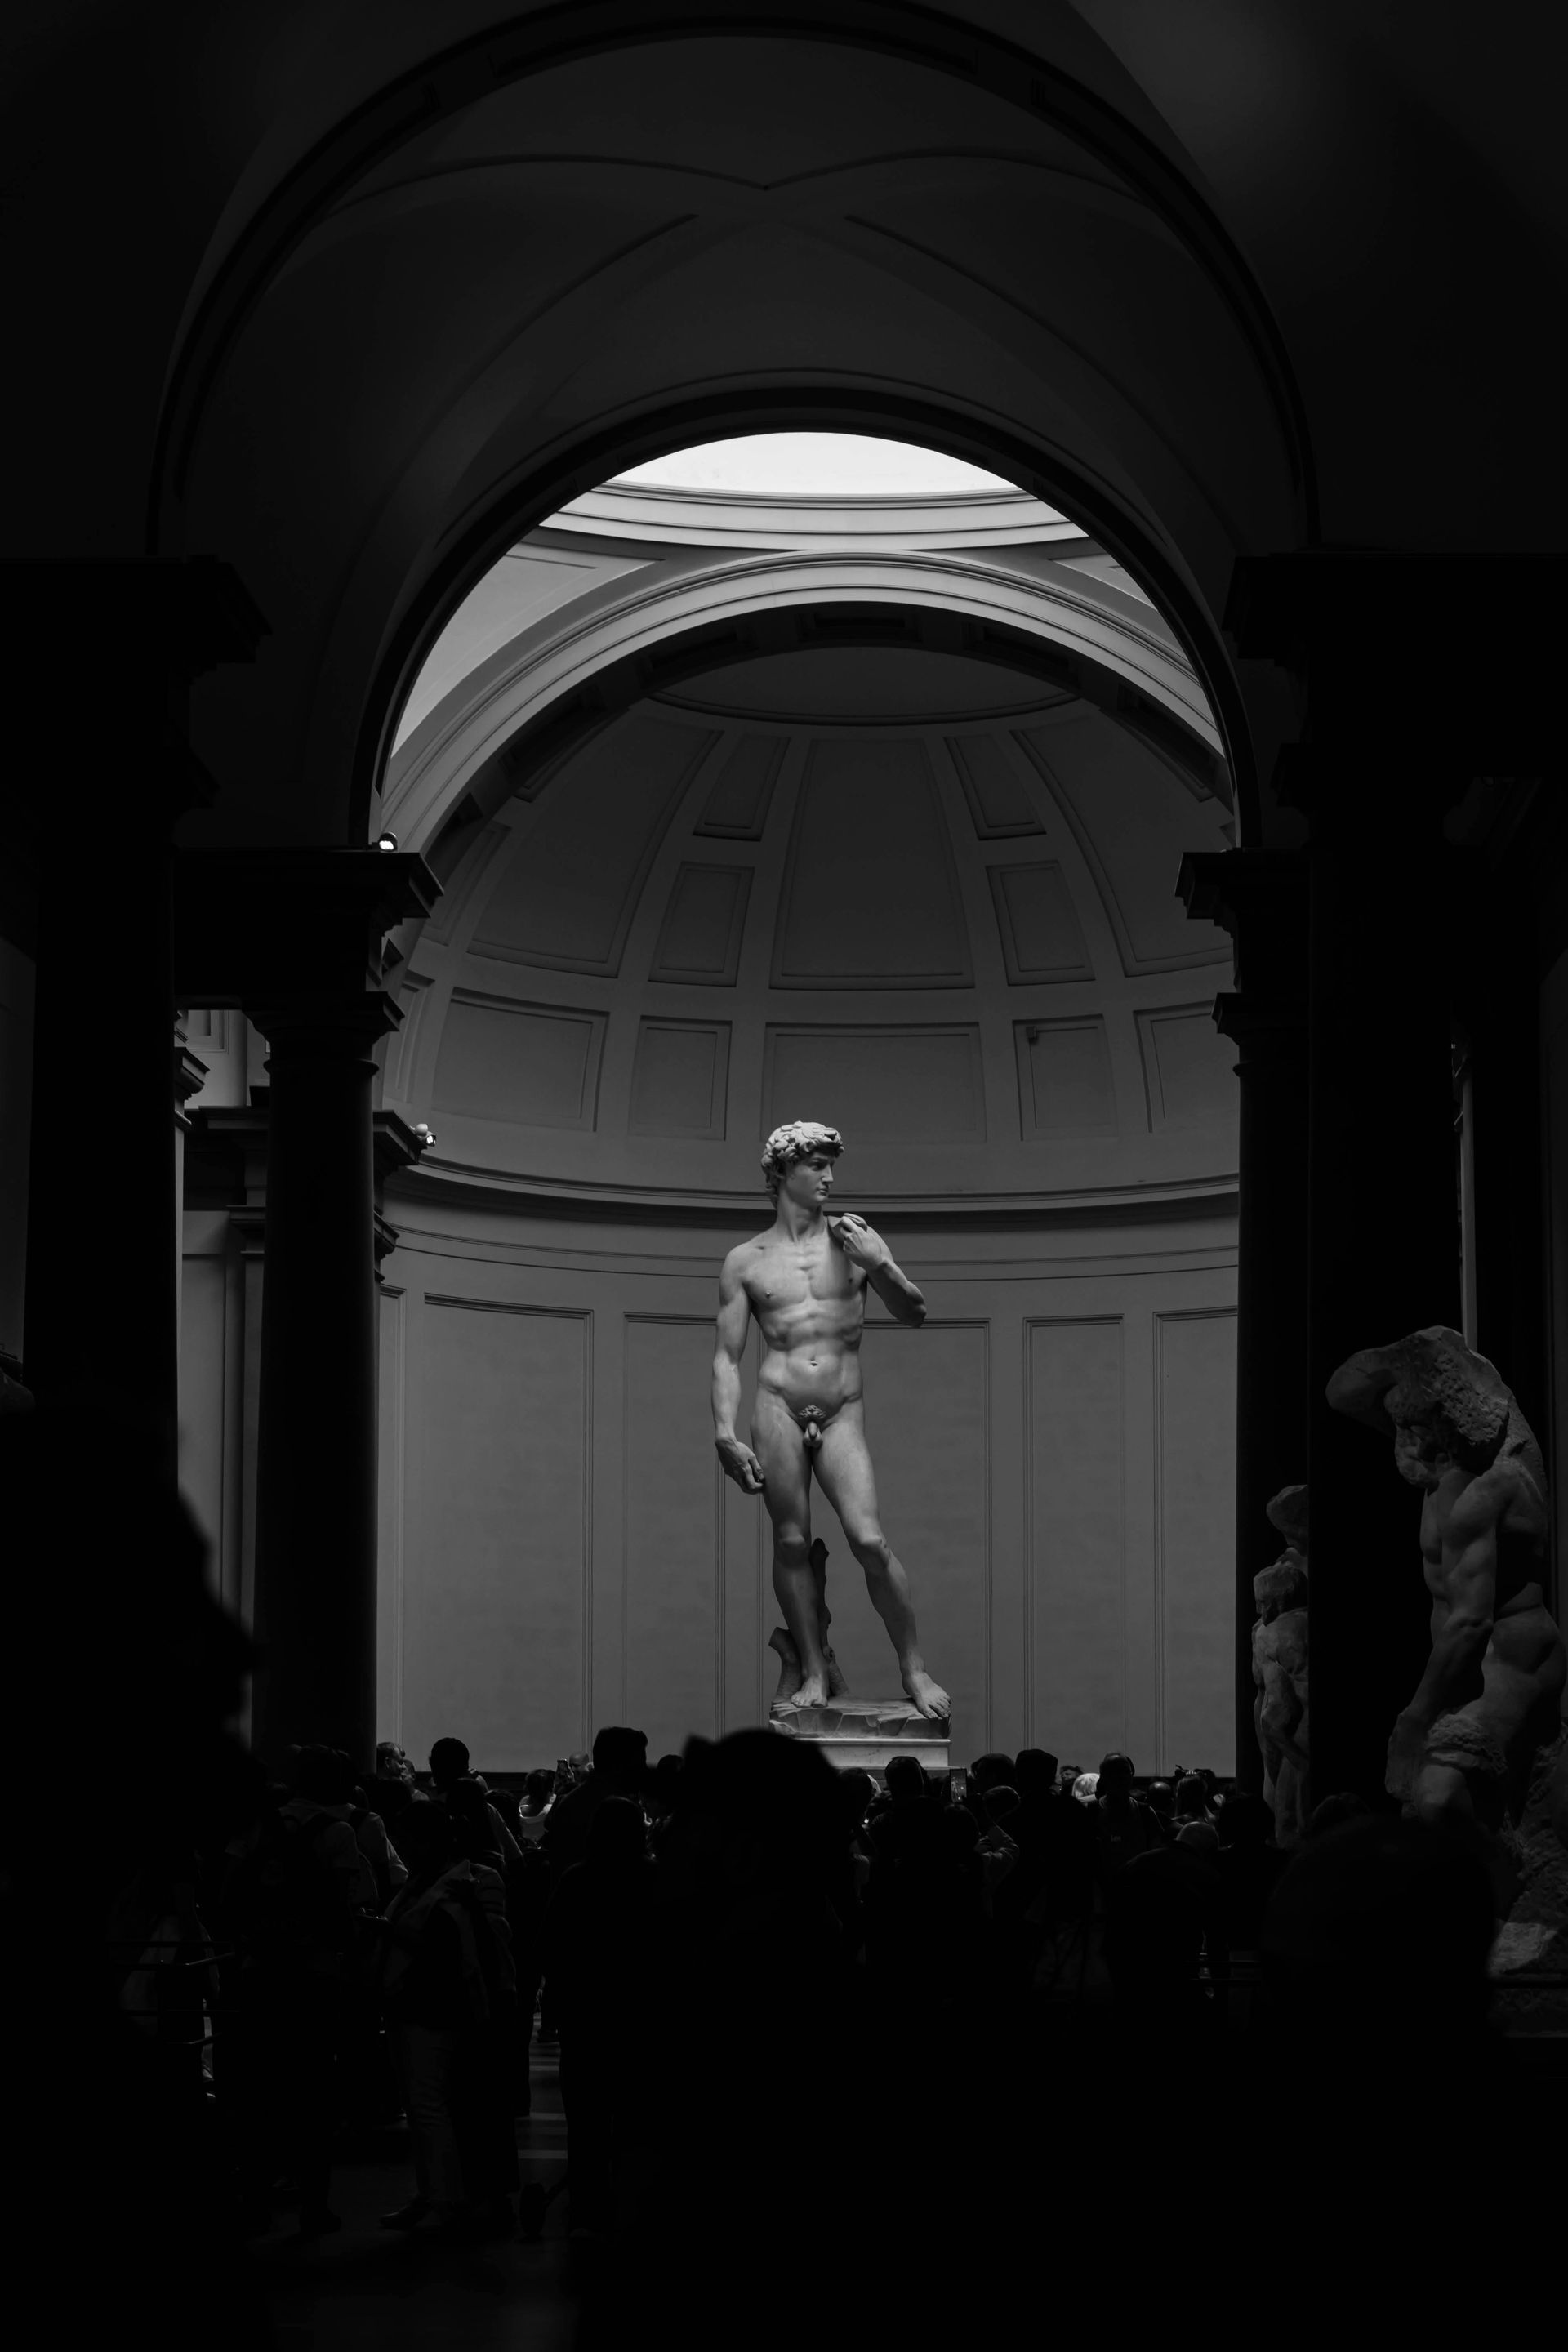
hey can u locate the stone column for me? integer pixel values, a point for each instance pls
(115, 644)
(1382, 1235)
(295, 937)
(1391, 736)
(1260, 898)
(316, 1516)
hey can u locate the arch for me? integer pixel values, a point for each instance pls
(530, 704)
(471, 552)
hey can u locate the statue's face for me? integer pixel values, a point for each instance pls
(1416, 1456)
(809, 1183)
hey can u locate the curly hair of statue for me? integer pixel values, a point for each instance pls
(787, 1146)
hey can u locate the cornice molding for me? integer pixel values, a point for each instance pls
(726, 519)
(433, 1180)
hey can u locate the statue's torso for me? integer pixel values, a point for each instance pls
(810, 1305)
(1502, 1507)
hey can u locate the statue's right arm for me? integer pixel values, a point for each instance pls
(729, 1345)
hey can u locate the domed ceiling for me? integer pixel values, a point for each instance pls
(911, 894)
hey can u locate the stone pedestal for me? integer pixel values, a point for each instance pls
(866, 1732)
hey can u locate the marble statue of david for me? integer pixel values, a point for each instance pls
(805, 1281)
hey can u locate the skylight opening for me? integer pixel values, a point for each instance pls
(815, 465)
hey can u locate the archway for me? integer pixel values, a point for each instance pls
(425, 379)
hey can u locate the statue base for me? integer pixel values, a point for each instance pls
(865, 1733)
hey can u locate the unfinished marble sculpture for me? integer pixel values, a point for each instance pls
(1279, 1712)
(1497, 1759)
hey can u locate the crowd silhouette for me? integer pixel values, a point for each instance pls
(819, 2036)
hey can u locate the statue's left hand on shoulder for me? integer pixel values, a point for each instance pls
(859, 1243)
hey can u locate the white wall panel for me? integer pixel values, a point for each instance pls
(673, 1590)
(1195, 1538)
(496, 1576)
(1077, 1515)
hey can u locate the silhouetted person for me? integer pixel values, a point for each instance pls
(446, 1977)
(597, 1935)
(1161, 1799)
(620, 1765)
(296, 1897)
(908, 1816)
(1248, 1865)
(1332, 1813)
(533, 1811)
(1125, 1829)
(454, 1780)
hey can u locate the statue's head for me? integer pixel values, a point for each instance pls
(1449, 1406)
(1287, 1512)
(803, 1143)
(1282, 1585)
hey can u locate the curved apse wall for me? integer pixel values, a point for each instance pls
(927, 899)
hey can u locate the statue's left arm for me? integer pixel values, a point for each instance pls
(865, 1247)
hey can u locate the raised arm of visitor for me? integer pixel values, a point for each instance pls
(729, 1344)
(863, 1246)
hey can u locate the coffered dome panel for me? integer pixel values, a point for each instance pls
(951, 932)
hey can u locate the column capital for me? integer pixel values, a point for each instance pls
(1269, 1031)
(1261, 897)
(324, 1026)
(1227, 885)
(275, 926)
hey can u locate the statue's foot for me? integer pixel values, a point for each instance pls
(813, 1691)
(837, 1685)
(927, 1695)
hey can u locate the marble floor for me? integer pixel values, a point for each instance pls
(367, 2289)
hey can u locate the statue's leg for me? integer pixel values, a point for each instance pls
(844, 1469)
(777, 1443)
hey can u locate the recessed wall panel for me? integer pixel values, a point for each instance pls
(870, 899)
(1189, 1069)
(680, 1078)
(737, 807)
(565, 899)
(495, 1580)
(1076, 1537)
(1195, 1391)
(699, 943)
(878, 1085)
(1065, 1085)
(674, 1635)
(535, 1064)
(1041, 933)
(998, 799)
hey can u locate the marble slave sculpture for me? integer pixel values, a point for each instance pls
(1280, 1711)
(1496, 1758)
(805, 1280)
